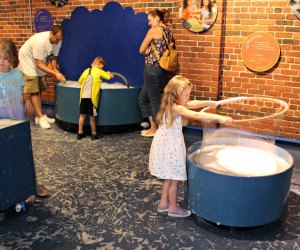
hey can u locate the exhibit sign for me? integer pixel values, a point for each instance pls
(43, 21)
(260, 51)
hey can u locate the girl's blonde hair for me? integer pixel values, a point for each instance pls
(172, 95)
(9, 49)
(98, 60)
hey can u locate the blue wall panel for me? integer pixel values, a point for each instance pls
(113, 33)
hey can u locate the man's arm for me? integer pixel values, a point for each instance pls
(55, 64)
(40, 64)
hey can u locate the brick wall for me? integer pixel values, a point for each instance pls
(282, 81)
(211, 59)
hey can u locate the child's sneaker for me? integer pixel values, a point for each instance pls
(80, 136)
(44, 123)
(96, 137)
(179, 213)
(161, 209)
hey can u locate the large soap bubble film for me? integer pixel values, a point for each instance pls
(246, 146)
(254, 117)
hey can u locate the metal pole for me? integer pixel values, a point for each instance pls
(222, 48)
(30, 13)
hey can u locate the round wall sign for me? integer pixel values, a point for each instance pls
(59, 3)
(43, 21)
(260, 51)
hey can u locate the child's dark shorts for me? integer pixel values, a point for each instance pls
(86, 107)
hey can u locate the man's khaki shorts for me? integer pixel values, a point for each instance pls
(33, 84)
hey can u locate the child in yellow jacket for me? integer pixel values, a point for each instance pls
(90, 81)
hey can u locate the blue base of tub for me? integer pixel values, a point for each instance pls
(118, 108)
(72, 127)
(233, 200)
(17, 174)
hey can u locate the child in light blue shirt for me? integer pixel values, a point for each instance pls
(13, 103)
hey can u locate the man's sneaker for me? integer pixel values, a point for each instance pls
(49, 120)
(44, 123)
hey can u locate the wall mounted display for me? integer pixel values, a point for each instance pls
(43, 21)
(295, 4)
(198, 15)
(260, 51)
(59, 3)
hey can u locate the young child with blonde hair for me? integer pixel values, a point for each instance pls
(167, 159)
(90, 81)
(14, 103)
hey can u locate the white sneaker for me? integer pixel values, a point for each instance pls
(44, 123)
(49, 120)
(145, 124)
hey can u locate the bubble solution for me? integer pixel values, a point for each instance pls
(239, 160)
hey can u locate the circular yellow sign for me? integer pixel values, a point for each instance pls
(260, 51)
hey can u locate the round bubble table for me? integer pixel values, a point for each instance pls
(236, 176)
(118, 106)
(237, 201)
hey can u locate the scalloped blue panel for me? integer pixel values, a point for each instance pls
(113, 33)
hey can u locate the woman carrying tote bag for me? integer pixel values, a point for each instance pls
(154, 75)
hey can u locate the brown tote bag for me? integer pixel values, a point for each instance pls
(169, 60)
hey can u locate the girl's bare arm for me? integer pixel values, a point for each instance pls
(200, 116)
(195, 104)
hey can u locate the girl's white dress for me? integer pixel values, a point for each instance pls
(167, 158)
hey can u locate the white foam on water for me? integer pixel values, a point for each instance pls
(115, 85)
(71, 84)
(104, 85)
(8, 122)
(240, 160)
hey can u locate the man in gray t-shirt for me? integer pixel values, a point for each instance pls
(38, 56)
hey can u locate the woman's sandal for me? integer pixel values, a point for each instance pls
(179, 213)
(147, 135)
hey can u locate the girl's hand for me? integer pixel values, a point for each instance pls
(28, 108)
(226, 120)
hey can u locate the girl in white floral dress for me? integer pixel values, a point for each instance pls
(167, 159)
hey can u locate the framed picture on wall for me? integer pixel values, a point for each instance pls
(295, 5)
(59, 3)
(198, 15)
